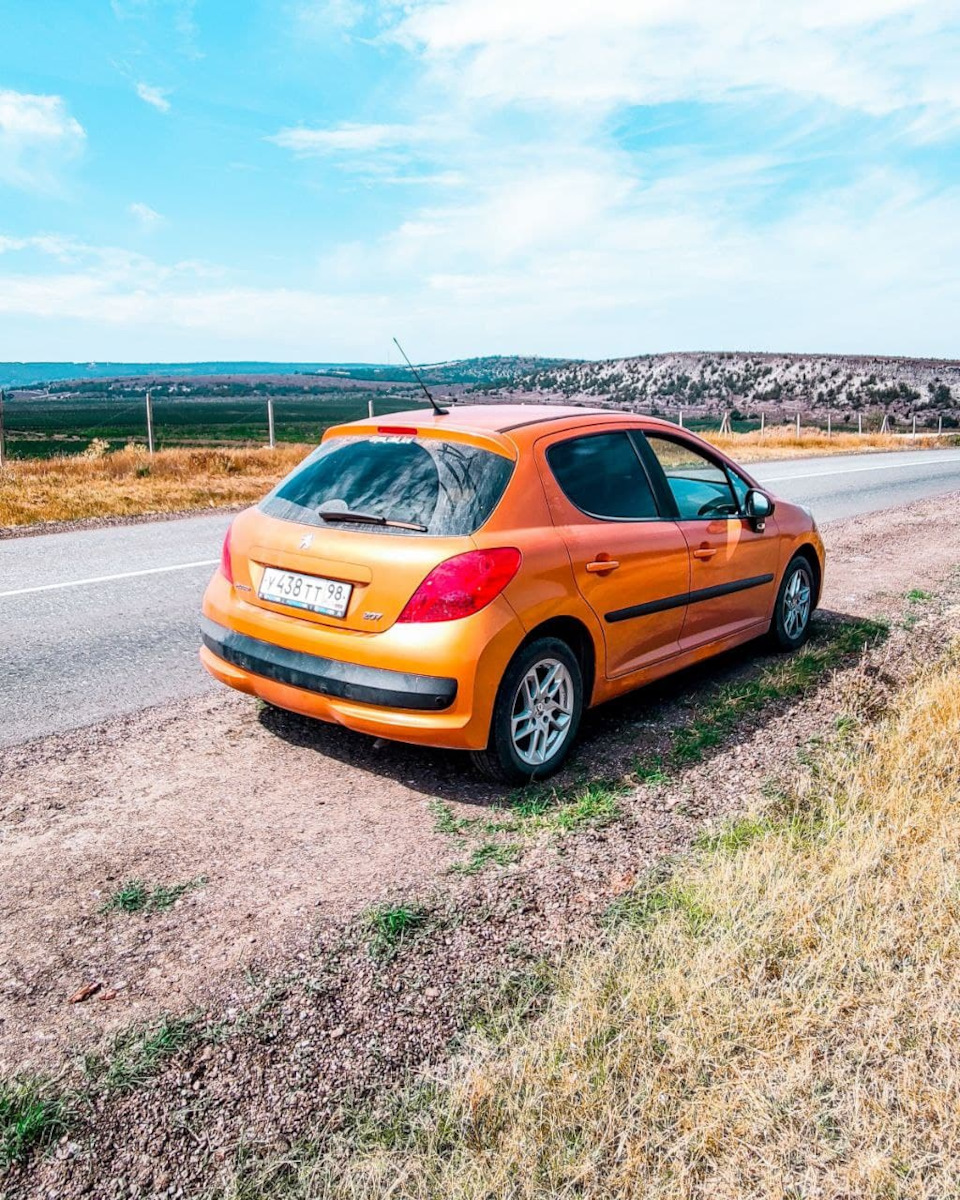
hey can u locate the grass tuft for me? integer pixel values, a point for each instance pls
(135, 896)
(390, 925)
(489, 854)
(138, 1053)
(32, 1117)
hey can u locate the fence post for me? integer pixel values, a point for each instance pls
(763, 422)
(3, 447)
(798, 424)
(370, 407)
(860, 424)
(681, 419)
(914, 426)
(149, 422)
(939, 424)
(829, 426)
(270, 429)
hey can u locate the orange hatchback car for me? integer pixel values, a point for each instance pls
(475, 579)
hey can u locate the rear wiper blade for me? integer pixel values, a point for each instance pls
(361, 518)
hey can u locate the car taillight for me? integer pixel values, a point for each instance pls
(462, 585)
(226, 561)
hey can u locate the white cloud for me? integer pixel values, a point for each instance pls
(877, 56)
(154, 96)
(349, 138)
(148, 217)
(37, 137)
(615, 267)
(318, 17)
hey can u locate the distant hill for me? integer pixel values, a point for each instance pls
(779, 384)
(703, 384)
(26, 374)
(467, 371)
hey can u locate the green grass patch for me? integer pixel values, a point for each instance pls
(733, 705)
(918, 595)
(651, 773)
(593, 804)
(135, 896)
(32, 1117)
(390, 925)
(489, 854)
(735, 835)
(137, 1054)
(653, 901)
(541, 808)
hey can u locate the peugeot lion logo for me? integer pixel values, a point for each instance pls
(305, 541)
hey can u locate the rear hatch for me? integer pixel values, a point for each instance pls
(374, 512)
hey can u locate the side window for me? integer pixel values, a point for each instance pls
(602, 475)
(699, 486)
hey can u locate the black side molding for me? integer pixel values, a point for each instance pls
(328, 676)
(685, 598)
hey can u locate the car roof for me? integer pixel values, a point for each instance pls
(502, 418)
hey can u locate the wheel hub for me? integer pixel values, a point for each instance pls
(797, 603)
(542, 712)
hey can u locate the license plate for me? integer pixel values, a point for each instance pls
(312, 592)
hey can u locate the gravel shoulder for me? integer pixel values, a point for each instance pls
(289, 830)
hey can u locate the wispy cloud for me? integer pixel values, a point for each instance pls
(350, 138)
(154, 96)
(37, 137)
(148, 217)
(877, 57)
(320, 17)
(577, 262)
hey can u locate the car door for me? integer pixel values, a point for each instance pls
(631, 564)
(733, 566)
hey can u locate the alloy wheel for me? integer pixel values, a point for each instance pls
(542, 712)
(796, 603)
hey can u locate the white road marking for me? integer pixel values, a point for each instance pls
(52, 587)
(854, 470)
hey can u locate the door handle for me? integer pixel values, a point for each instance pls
(601, 565)
(705, 552)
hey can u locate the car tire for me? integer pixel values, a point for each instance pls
(536, 714)
(793, 611)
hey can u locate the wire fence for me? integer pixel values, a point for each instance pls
(70, 423)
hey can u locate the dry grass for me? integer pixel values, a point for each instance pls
(130, 483)
(781, 1018)
(781, 441)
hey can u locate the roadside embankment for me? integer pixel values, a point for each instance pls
(776, 1016)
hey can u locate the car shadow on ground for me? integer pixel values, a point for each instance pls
(611, 738)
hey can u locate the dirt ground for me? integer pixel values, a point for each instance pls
(285, 827)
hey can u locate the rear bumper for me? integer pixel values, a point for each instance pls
(432, 684)
(328, 676)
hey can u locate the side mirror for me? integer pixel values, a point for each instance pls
(757, 507)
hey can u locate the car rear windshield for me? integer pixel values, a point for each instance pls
(445, 489)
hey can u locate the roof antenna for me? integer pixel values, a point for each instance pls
(441, 412)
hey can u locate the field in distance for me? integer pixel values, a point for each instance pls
(226, 404)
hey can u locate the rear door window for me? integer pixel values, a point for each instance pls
(444, 489)
(601, 474)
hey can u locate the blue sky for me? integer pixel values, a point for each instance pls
(302, 179)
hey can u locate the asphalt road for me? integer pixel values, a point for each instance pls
(104, 622)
